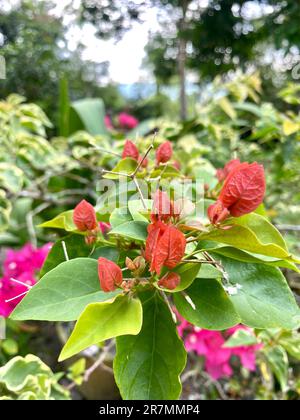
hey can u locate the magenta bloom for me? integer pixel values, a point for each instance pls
(104, 227)
(127, 121)
(210, 345)
(21, 265)
(108, 122)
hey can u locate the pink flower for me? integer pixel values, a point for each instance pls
(127, 121)
(21, 265)
(245, 353)
(104, 227)
(210, 345)
(108, 122)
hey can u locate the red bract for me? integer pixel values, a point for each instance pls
(242, 192)
(169, 281)
(155, 232)
(110, 274)
(164, 152)
(224, 172)
(84, 216)
(165, 246)
(162, 207)
(130, 150)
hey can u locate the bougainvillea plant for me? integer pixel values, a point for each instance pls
(123, 267)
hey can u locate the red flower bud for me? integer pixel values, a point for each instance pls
(242, 192)
(169, 281)
(130, 150)
(224, 172)
(110, 274)
(165, 246)
(217, 213)
(84, 216)
(164, 152)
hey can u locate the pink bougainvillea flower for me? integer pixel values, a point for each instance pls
(104, 227)
(127, 121)
(247, 354)
(20, 265)
(164, 152)
(108, 122)
(243, 191)
(222, 173)
(210, 345)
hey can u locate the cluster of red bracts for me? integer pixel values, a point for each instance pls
(165, 244)
(163, 153)
(243, 191)
(165, 247)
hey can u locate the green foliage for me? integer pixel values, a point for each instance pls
(29, 378)
(63, 293)
(120, 316)
(148, 365)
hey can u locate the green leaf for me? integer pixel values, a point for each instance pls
(103, 320)
(76, 247)
(245, 256)
(147, 366)
(124, 166)
(119, 216)
(241, 338)
(165, 171)
(207, 271)
(131, 230)
(62, 221)
(290, 340)
(188, 272)
(88, 114)
(107, 252)
(11, 177)
(264, 299)
(63, 293)
(137, 209)
(252, 233)
(207, 306)
(279, 364)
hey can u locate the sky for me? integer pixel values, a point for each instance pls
(126, 56)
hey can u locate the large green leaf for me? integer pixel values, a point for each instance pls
(103, 320)
(207, 306)
(131, 230)
(120, 216)
(62, 221)
(252, 233)
(87, 114)
(63, 293)
(147, 366)
(264, 299)
(246, 256)
(75, 246)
